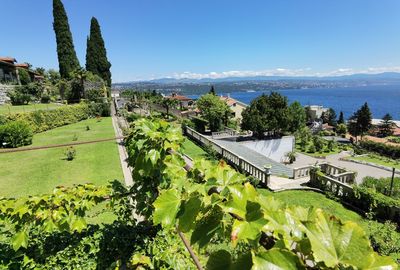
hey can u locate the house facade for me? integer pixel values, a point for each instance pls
(236, 106)
(8, 71)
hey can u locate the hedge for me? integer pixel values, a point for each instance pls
(43, 120)
(15, 134)
(381, 148)
(364, 198)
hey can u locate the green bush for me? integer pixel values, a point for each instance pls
(381, 148)
(394, 139)
(24, 77)
(43, 120)
(70, 153)
(18, 98)
(15, 134)
(45, 99)
(384, 239)
(199, 124)
(382, 185)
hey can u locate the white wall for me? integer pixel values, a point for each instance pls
(274, 149)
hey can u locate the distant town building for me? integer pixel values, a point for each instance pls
(184, 102)
(316, 111)
(236, 106)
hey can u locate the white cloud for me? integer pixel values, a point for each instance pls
(281, 72)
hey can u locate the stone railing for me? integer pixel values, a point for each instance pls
(262, 174)
(228, 132)
(328, 184)
(346, 177)
(330, 169)
(301, 172)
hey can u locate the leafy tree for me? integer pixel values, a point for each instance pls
(267, 113)
(308, 114)
(53, 76)
(40, 70)
(364, 119)
(24, 77)
(168, 103)
(296, 117)
(386, 126)
(341, 129)
(360, 122)
(78, 77)
(341, 118)
(67, 59)
(212, 90)
(214, 110)
(96, 54)
(332, 117)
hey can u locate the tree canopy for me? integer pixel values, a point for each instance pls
(96, 54)
(271, 113)
(214, 110)
(386, 126)
(67, 59)
(360, 122)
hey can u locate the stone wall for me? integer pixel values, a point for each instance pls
(3, 92)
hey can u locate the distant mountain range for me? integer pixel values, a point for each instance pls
(391, 76)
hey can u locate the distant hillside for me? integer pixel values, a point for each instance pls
(369, 77)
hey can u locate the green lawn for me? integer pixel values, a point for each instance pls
(4, 109)
(379, 160)
(193, 150)
(306, 198)
(39, 171)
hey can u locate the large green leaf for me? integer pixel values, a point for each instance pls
(19, 240)
(190, 210)
(335, 243)
(166, 207)
(220, 259)
(153, 155)
(276, 259)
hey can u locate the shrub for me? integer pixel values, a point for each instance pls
(24, 77)
(382, 185)
(381, 148)
(45, 98)
(18, 98)
(70, 153)
(384, 239)
(312, 148)
(42, 120)
(15, 134)
(200, 124)
(394, 139)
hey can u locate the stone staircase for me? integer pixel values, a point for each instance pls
(256, 158)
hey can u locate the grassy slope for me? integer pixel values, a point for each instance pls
(385, 162)
(4, 109)
(193, 150)
(39, 171)
(310, 198)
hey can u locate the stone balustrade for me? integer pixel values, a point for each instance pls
(301, 172)
(262, 174)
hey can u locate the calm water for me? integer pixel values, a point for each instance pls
(381, 99)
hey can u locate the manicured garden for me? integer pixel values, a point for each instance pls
(8, 108)
(39, 171)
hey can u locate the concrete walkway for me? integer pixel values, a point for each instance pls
(123, 155)
(361, 169)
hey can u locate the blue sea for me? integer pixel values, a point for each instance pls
(381, 99)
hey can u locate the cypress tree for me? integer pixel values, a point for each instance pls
(67, 59)
(341, 118)
(96, 54)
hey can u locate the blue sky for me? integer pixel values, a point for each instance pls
(214, 38)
